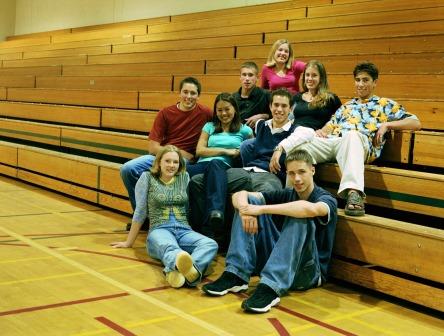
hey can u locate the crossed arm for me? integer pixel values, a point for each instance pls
(249, 212)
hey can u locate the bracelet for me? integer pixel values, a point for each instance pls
(277, 149)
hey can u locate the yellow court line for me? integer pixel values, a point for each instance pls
(128, 289)
(156, 320)
(127, 326)
(12, 261)
(349, 316)
(49, 277)
(66, 275)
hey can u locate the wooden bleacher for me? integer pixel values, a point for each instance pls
(75, 103)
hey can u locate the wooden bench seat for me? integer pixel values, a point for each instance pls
(389, 85)
(25, 130)
(32, 41)
(367, 7)
(46, 61)
(393, 188)
(255, 9)
(11, 56)
(100, 34)
(414, 250)
(232, 20)
(132, 83)
(17, 81)
(159, 99)
(39, 34)
(2, 93)
(429, 112)
(80, 116)
(347, 33)
(135, 69)
(8, 159)
(135, 120)
(70, 45)
(428, 149)
(52, 70)
(95, 50)
(382, 45)
(141, 43)
(123, 25)
(369, 18)
(171, 56)
(99, 181)
(113, 99)
(117, 144)
(276, 26)
(387, 63)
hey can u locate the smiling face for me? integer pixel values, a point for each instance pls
(188, 97)
(280, 109)
(365, 85)
(282, 53)
(225, 112)
(300, 176)
(169, 165)
(312, 78)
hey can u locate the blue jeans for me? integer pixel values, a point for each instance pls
(131, 171)
(247, 151)
(285, 260)
(215, 179)
(166, 241)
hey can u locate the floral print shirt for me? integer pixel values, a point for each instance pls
(366, 116)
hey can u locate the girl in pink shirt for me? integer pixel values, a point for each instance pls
(281, 70)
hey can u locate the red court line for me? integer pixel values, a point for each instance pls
(76, 302)
(315, 321)
(121, 330)
(279, 327)
(61, 304)
(119, 256)
(308, 318)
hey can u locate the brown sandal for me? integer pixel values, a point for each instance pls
(354, 199)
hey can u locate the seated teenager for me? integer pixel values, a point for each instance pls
(286, 236)
(355, 135)
(255, 175)
(217, 149)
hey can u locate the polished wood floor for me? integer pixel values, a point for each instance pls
(58, 276)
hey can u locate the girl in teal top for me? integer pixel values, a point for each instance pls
(161, 195)
(217, 149)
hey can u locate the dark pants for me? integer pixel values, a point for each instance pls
(198, 201)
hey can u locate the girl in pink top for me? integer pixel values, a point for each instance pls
(281, 70)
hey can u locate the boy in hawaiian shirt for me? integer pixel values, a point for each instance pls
(355, 135)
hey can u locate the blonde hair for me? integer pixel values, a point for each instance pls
(271, 62)
(155, 170)
(323, 95)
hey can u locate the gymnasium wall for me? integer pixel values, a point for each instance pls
(7, 18)
(43, 15)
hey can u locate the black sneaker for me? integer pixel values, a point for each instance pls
(228, 282)
(261, 300)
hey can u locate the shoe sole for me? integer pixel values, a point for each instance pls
(184, 263)
(235, 289)
(175, 279)
(261, 310)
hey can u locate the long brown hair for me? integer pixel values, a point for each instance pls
(323, 95)
(155, 170)
(236, 122)
(271, 62)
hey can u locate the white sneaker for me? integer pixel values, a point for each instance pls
(184, 264)
(175, 279)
